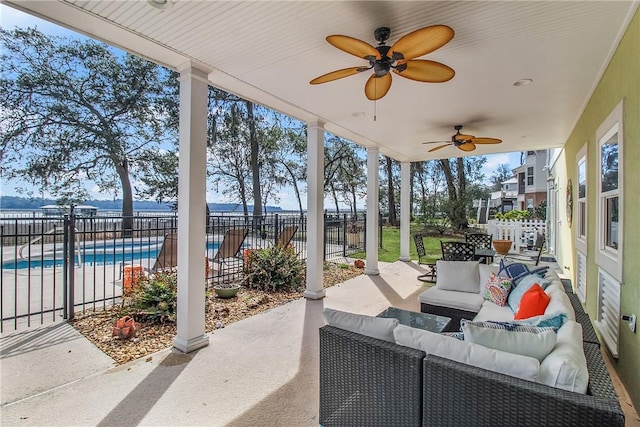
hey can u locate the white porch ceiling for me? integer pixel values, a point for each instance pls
(268, 51)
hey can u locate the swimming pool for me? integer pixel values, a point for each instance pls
(96, 253)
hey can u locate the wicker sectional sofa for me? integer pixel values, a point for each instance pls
(366, 381)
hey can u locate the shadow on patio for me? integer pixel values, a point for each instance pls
(259, 371)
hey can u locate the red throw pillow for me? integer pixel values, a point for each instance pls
(533, 303)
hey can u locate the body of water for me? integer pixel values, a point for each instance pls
(107, 253)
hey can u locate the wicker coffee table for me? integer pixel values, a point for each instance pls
(426, 321)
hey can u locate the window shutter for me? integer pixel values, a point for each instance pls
(581, 277)
(608, 322)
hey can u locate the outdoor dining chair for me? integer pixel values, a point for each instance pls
(480, 241)
(457, 251)
(429, 276)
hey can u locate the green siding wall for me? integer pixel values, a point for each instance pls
(621, 81)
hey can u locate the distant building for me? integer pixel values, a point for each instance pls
(531, 180)
(505, 199)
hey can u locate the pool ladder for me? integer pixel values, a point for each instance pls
(37, 239)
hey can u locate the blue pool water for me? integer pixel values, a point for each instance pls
(111, 253)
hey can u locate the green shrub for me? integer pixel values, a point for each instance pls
(274, 268)
(515, 215)
(156, 296)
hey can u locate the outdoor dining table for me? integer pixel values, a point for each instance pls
(486, 254)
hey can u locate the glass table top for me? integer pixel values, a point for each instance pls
(426, 321)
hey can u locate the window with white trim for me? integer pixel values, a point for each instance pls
(581, 224)
(582, 199)
(609, 239)
(530, 175)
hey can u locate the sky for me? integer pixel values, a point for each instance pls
(10, 18)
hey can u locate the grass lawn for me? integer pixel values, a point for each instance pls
(390, 251)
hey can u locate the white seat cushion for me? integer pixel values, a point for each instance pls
(469, 353)
(467, 301)
(491, 311)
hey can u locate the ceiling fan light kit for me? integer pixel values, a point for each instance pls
(463, 142)
(398, 58)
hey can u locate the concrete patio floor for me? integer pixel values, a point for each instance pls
(260, 371)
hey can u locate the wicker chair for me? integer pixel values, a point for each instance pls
(366, 381)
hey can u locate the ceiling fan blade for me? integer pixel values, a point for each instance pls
(467, 146)
(461, 137)
(377, 87)
(436, 142)
(423, 70)
(422, 41)
(486, 141)
(335, 75)
(439, 147)
(353, 46)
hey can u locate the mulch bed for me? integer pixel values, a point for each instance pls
(152, 337)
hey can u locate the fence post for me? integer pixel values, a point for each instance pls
(70, 262)
(276, 232)
(344, 235)
(65, 267)
(324, 237)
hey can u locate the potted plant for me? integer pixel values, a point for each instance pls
(226, 290)
(502, 246)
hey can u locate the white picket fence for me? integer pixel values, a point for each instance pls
(516, 231)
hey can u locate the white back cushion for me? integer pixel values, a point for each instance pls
(566, 366)
(463, 276)
(469, 353)
(375, 327)
(525, 340)
(559, 302)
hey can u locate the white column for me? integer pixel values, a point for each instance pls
(191, 209)
(373, 211)
(405, 210)
(315, 210)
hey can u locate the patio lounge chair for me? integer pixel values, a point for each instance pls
(286, 235)
(168, 255)
(167, 259)
(229, 249)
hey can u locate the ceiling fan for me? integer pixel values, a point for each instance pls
(463, 142)
(399, 57)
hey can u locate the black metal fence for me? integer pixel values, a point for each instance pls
(53, 267)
